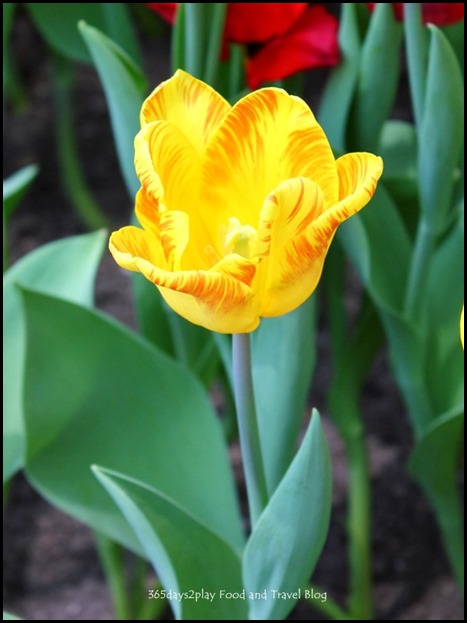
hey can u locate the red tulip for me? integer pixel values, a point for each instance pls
(439, 13)
(293, 36)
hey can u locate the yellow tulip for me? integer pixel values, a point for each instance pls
(238, 205)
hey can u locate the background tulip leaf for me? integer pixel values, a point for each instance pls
(125, 88)
(288, 538)
(443, 441)
(337, 97)
(185, 554)
(379, 247)
(15, 186)
(65, 268)
(10, 617)
(445, 297)
(379, 68)
(441, 134)
(398, 149)
(58, 24)
(283, 357)
(117, 401)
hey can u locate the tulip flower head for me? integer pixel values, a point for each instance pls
(288, 36)
(238, 205)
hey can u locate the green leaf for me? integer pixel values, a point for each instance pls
(445, 297)
(379, 247)
(186, 556)
(15, 186)
(398, 149)
(378, 78)
(117, 401)
(441, 134)
(193, 346)
(66, 269)
(289, 536)
(151, 314)
(337, 97)
(125, 87)
(442, 441)
(58, 23)
(283, 358)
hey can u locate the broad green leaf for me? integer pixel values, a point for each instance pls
(337, 97)
(193, 346)
(441, 134)
(10, 617)
(152, 318)
(125, 87)
(398, 149)
(379, 247)
(66, 269)
(379, 68)
(15, 186)
(189, 559)
(434, 464)
(435, 457)
(115, 400)
(445, 297)
(58, 24)
(416, 44)
(283, 358)
(288, 538)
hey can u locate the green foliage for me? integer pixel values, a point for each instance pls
(65, 269)
(114, 400)
(287, 540)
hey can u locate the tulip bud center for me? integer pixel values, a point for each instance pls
(240, 239)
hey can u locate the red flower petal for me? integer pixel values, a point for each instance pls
(312, 42)
(441, 14)
(166, 10)
(258, 21)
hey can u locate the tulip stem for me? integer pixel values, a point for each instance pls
(248, 426)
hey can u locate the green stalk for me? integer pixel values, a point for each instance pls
(328, 607)
(218, 12)
(248, 426)
(358, 520)
(194, 28)
(418, 274)
(110, 554)
(352, 358)
(236, 71)
(417, 56)
(178, 39)
(72, 175)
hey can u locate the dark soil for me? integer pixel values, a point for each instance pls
(51, 569)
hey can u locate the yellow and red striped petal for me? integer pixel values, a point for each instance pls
(267, 137)
(130, 244)
(291, 266)
(192, 106)
(358, 176)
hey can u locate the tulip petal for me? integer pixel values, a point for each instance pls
(249, 22)
(311, 42)
(129, 244)
(167, 165)
(192, 106)
(291, 266)
(358, 176)
(267, 137)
